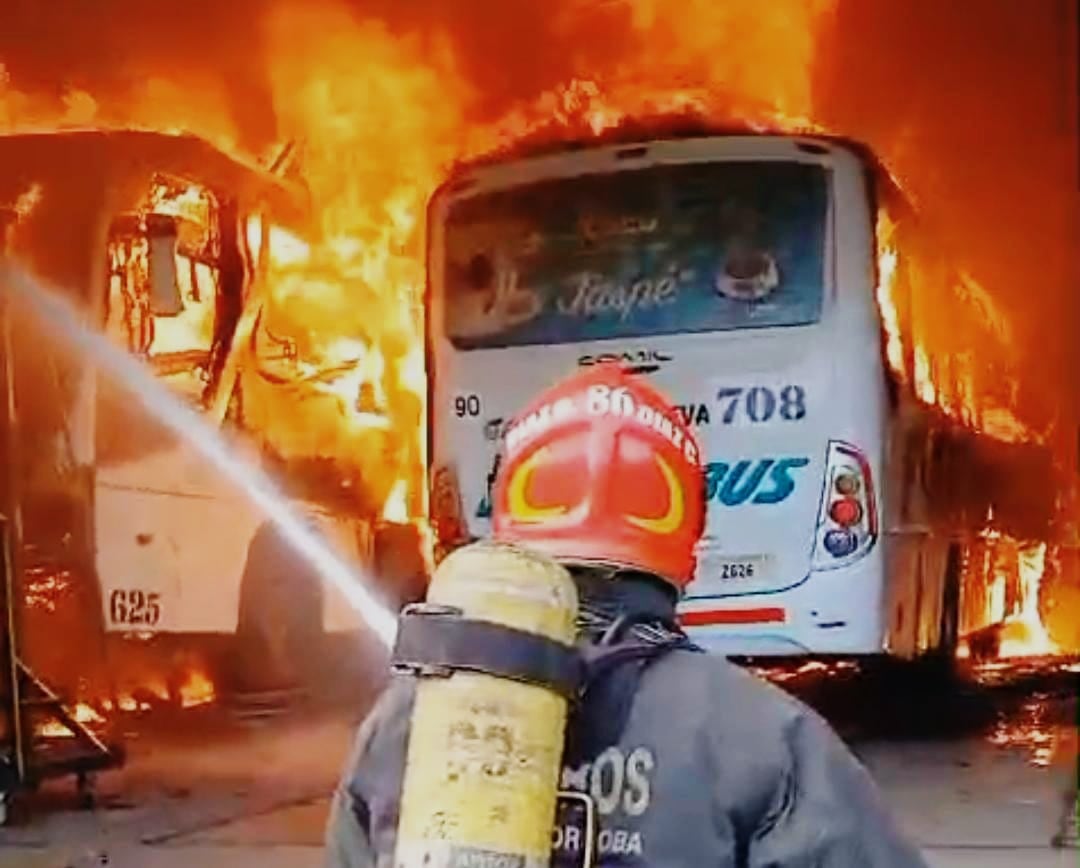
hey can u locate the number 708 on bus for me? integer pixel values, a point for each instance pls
(758, 404)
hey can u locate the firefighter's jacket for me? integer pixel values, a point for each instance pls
(701, 764)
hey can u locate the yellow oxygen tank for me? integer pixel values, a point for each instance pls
(489, 719)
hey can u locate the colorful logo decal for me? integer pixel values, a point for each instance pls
(484, 508)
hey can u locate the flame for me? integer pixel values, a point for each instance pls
(27, 201)
(1009, 573)
(924, 383)
(285, 248)
(338, 371)
(198, 689)
(371, 118)
(82, 713)
(154, 104)
(946, 313)
(1025, 635)
(144, 698)
(45, 587)
(396, 508)
(894, 343)
(186, 334)
(189, 201)
(54, 729)
(746, 62)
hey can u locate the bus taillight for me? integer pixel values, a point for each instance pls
(847, 524)
(847, 483)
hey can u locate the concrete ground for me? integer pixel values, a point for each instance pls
(989, 796)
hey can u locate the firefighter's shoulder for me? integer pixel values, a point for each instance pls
(733, 707)
(722, 683)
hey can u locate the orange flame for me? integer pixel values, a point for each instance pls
(374, 119)
(82, 713)
(346, 302)
(1005, 578)
(54, 729)
(197, 689)
(939, 315)
(1025, 635)
(894, 343)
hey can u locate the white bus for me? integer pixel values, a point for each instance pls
(165, 244)
(737, 272)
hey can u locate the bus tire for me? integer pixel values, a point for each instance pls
(279, 631)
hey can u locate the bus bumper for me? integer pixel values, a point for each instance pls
(829, 612)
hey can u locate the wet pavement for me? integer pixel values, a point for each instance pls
(975, 771)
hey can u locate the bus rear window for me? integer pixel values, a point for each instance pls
(704, 247)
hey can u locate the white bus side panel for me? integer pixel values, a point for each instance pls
(171, 563)
(172, 541)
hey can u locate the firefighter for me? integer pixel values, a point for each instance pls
(684, 758)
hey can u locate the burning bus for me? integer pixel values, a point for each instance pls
(192, 260)
(861, 458)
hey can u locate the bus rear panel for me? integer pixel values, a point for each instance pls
(735, 273)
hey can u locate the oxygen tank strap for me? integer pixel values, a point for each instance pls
(612, 676)
(435, 641)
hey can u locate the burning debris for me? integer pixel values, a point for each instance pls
(1003, 577)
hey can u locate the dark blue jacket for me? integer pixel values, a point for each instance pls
(707, 766)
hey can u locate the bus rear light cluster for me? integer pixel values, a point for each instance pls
(847, 524)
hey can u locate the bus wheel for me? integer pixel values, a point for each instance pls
(279, 630)
(935, 670)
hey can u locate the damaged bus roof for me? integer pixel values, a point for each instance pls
(123, 161)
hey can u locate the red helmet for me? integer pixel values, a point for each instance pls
(601, 469)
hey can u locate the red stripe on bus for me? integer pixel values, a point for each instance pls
(767, 615)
